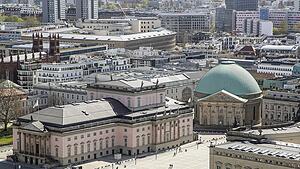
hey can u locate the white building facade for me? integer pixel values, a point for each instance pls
(54, 11)
(86, 9)
(276, 68)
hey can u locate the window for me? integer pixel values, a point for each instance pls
(138, 141)
(95, 133)
(88, 135)
(95, 145)
(100, 145)
(75, 137)
(143, 140)
(69, 151)
(106, 131)
(69, 139)
(113, 141)
(125, 130)
(82, 136)
(139, 101)
(100, 132)
(128, 102)
(75, 149)
(148, 139)
(106, 143)
(88, 147)
(125, 142)
(82, 148)
(56, 139)
(112, 130)
(137, 130)
(56, 151)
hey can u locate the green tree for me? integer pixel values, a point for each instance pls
(281, 29)
(12, 18)
(31, 21)
(10, 105)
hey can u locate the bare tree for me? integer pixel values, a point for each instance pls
(10, 105)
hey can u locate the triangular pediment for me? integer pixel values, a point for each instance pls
(223, 96)
(35, 126)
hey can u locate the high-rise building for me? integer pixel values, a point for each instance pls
(297, 5)
(186, 24)
(225, 20)
(242, 5)
(87, 9)
(54, 10)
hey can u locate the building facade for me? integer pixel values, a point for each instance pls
(186, 24)
(226, 96)
(86, 9)
(276, 68)
(241, 16)
(138, 126)
(240, 155)
(242, 5)
(53, 11)
(280, 107)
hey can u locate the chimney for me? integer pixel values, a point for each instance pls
(40, 55)
(7, 74)
(25, 55)
(32, 54)
(18, 56)
(10, 55)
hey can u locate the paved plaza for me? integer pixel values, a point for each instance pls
(190, 157)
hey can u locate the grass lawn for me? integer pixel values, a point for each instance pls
(6, 137)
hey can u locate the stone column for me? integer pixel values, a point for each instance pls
(29, 137)
(34, 145)
(45, 145)
(20, 142)
(40, 144)
(178, 128)
(25, 143)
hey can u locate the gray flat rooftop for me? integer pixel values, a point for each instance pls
(121, 38)
(281, 130)
(275, 150)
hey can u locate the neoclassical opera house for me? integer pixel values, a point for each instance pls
(227, 96)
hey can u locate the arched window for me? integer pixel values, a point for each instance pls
(138, 101)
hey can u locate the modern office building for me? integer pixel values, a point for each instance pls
(53, 11)
(257, 27)
(186, 24)
(241, 16)
(224, 20)
(159, 39)
(86, 9)
(242, 5)
(297, 5)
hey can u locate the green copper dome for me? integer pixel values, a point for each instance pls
(230, 77)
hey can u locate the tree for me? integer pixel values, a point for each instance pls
(13, 18)
(283, 27)
(31, 21)
(10, 104)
